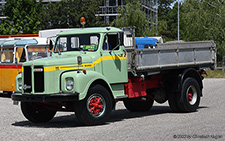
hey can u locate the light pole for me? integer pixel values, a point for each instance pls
(178, 31)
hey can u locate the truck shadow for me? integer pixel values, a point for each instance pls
(67, 121)
(122, 114)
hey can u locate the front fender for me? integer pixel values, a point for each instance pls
(82, 82)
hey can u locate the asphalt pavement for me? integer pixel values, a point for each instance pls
(160, 123)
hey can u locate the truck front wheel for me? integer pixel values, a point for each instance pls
(96, 108)
(36, 112)
(135, 105)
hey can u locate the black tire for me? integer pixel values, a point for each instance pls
(36, 112)
(96, 108)
(190, 95)
(135, 105)
(172, 100)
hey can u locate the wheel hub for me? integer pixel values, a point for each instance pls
(96, 105)
(190, 97)
(191, 94)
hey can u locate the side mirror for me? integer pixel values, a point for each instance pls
(50, 45)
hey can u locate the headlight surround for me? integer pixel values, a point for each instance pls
(20, 84)
(69, 84)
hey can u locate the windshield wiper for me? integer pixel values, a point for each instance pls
(81, 49)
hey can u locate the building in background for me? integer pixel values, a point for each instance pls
(47, 1)
(108, 11)
(2, 3)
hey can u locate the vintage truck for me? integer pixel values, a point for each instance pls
(90, 70)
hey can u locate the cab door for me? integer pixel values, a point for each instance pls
(113, 59)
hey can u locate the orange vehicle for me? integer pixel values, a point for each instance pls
(13, 54)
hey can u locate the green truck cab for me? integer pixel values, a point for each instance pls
(87, 64)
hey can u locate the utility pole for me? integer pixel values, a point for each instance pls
(178, 34)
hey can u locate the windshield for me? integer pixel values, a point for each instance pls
(86, 42)
(37, 52)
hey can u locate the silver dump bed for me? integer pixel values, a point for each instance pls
(172, 56)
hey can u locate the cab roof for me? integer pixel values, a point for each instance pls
(24, 41)
(90, 30)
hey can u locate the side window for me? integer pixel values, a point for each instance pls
(111, 42)
(36, 53)
(106, 45)
(7, 55)
(20, 54)
(61, 44)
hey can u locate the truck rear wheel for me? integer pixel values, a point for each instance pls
(188, 99)
(36, 112)
(172, 100)
(190, 95)
(96, 108)
(134, 105)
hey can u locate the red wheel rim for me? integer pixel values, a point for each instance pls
(191, 94)
(96, 105)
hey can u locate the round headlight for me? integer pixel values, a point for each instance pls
(69, 85)
(20, 84)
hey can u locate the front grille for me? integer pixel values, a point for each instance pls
(27, 80)
(38, 79)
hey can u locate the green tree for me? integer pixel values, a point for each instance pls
(204, 20)
(164, 6)
(167, 19)
(21, 17)
(131, 16)
(67, 14)
(5, 27)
